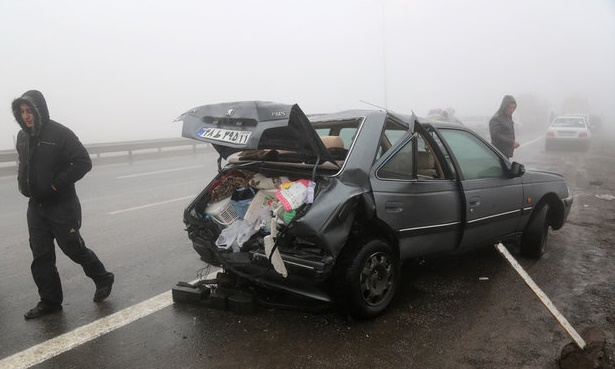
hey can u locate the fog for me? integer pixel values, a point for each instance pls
(124, 70)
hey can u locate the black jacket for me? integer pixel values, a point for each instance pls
(502, 128)
(49, 154)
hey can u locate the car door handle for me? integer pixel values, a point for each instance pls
(394, 206)
(474, 201)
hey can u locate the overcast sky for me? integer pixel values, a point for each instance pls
(124, 70)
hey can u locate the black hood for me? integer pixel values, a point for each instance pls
(37, 103)
(507, 100)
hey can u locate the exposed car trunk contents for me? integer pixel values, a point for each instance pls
(231, 219)
(241, 207)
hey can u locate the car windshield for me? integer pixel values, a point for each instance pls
(568, 122)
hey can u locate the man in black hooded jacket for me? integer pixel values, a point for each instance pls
(502, 127)
(51, 160)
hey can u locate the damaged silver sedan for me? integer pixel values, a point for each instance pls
(329, 206)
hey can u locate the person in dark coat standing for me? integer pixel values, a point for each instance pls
(502, 127)
(51, 160)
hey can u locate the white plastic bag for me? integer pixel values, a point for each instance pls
(235, 235)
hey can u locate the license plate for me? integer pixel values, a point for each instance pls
(225, 135)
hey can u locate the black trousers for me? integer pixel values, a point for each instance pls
(59, 222)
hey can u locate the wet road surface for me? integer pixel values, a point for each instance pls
(469, 311)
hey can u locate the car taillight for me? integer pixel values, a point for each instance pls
(582, 134)
(550, 134)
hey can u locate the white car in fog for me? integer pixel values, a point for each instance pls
(568, 131)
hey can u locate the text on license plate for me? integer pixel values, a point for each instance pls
(225, 135)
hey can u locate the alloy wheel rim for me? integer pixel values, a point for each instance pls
(376, 279)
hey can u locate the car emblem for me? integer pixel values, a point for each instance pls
(230, 112)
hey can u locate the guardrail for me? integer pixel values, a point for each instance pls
(119, 151)
(7, 156)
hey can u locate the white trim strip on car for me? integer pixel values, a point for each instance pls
(429, 226)
(493, 216)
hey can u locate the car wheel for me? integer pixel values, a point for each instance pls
(534, 239)
(368, 279)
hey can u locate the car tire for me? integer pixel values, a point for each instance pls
(368, 279)
(534, 238)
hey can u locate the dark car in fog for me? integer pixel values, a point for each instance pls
(328, 206)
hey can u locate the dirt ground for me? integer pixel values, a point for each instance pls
(503, 324)
(470, 311)
(577, 273)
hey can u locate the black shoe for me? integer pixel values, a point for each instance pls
(41, 309)
(103, 288)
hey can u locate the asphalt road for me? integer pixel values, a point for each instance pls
(463, 312)
(132, 218)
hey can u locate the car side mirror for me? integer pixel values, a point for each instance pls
(516, 169)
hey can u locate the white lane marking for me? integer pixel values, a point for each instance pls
(77, 337)
(67, 341)
(159, 172)
(149, 205)
(541, 296)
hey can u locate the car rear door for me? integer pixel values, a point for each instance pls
(416, 198)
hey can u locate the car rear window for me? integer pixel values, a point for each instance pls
(568, 123)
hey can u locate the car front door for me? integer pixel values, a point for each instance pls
(493, 200)
(416, 198)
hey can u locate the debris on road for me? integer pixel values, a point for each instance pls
(227, 291)
(606, 197)
(590, 351)
(541, 296)
(598, 354)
